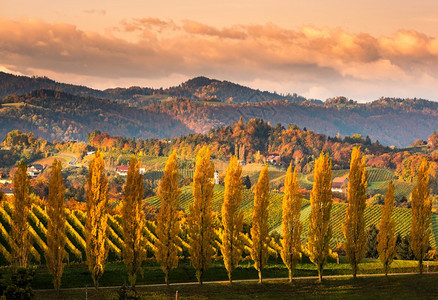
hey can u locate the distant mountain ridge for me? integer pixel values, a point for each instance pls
(198, 105)
(196, 89)
(56, 115)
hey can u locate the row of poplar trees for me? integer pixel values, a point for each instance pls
(201, 224)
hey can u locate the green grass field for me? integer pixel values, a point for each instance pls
(368, 287)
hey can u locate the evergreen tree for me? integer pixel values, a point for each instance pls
(421, 215)
(56, 236)
(291, 224)
(320, 231)
(200, 218)
(20, 242)
(260, 227)
(168, 222)
(354, 224)
(134, 251)
(386, 237)
(372, 242)
(232, 218)
(96, 223)
(247, 182)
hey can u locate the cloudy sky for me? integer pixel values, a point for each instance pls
(361, 49)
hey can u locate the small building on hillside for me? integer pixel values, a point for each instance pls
(8, 191)
(35, 170)
(122, 170)
(340, 184)
(273, 158)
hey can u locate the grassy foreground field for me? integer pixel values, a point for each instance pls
(76, 277)
(371, 287)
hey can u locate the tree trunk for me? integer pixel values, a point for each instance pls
(420, 265)
(354, 267)
(290, 275)
(229, 277)
(320, 273)
(166, 278)
(260, 276)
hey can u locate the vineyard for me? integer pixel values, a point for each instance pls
(373, 213)
(153, 177)
(75, 246)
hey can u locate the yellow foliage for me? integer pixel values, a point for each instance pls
(200, 218)
(96, 222)
(354, 224)
(20, 242)
(386, 237)
(134, 252)
(232, 218)
(168, 223)
(320, 231)
(421, 214)
(260, 227)
(291, 224)
(56, 237)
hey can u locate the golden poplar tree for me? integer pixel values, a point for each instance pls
(354, 224)
(20, 228)
(56, 237)
(96, 223)
(260, 227)
(168, 223)
(134, 251)
(200, 218)
(232, 217)
(291, 224)
(421, 214)
(386, 237)
(320, 231)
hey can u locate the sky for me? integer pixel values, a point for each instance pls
(319, 49)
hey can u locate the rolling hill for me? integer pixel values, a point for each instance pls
(201, 104)
(57, 115)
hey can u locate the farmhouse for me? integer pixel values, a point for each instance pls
(8, 191)
(35, 170)
(340, 184)
(122, 170)
(273, 158)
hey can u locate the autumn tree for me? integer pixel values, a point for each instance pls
(168, 222)
(200, 218)
(232, 217)
(96, 223)
(320, 231)
(386, 236)
(354, 224)
(134, 251)
(291, 224)
(56, 236)
(20, 228)
(260, 227)
(421, 214)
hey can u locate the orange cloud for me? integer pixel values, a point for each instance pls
(305, 60)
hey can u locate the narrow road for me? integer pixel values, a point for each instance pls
(242, 280)
(73, 160)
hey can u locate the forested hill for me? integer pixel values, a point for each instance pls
(198, 105)
(199, 88)
(20, 85)
(56, 115)
(390, 121)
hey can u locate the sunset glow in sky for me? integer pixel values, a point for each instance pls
(319, 49)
